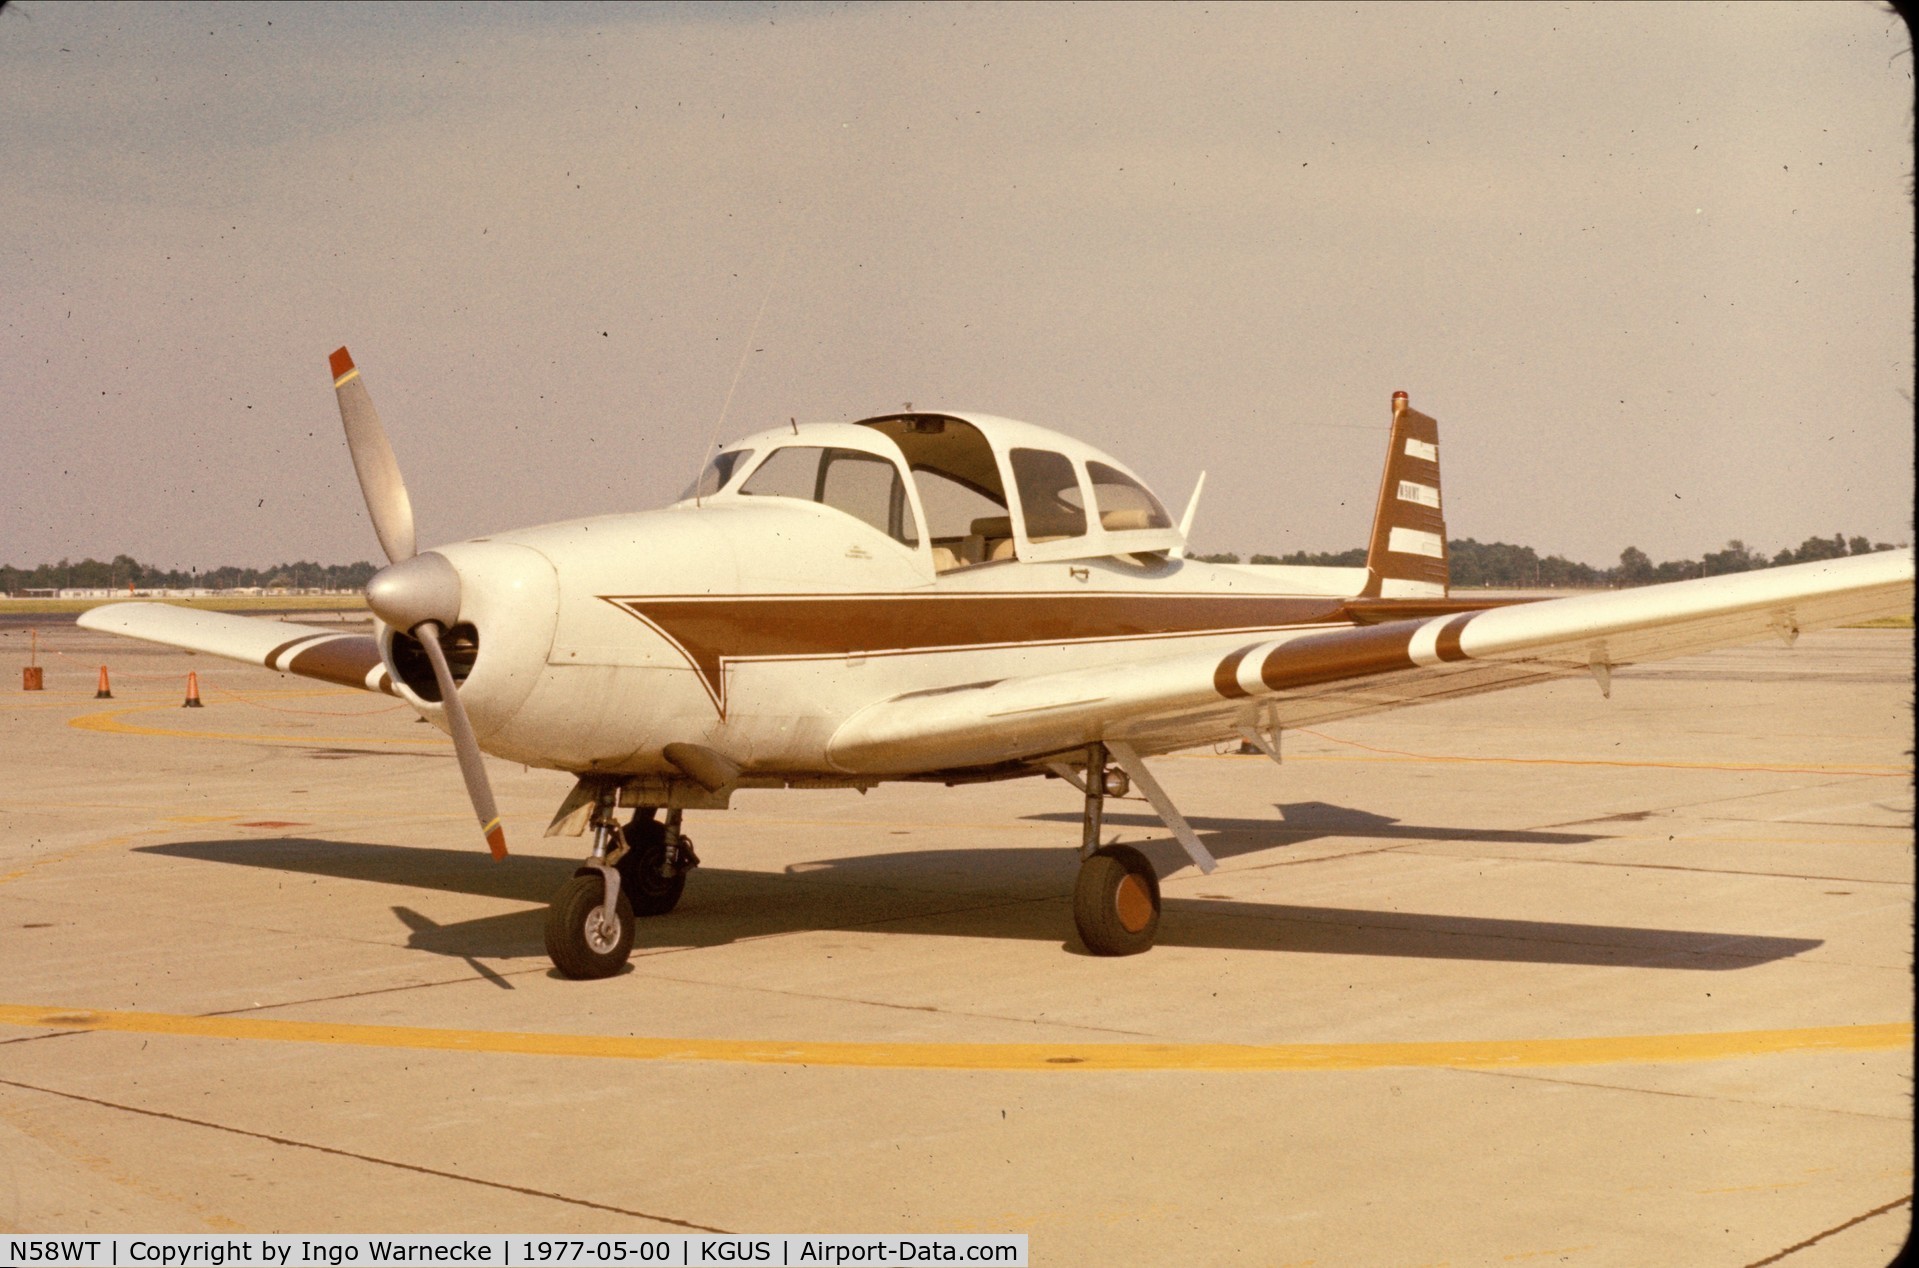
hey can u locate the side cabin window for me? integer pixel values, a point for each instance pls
(1122, 501)
(1049, 494)
(865, 486)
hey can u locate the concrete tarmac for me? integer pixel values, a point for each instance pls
(1531, 978)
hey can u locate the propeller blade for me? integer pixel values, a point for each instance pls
(373, 461)
(472, 769)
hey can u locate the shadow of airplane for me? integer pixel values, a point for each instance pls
(1017, 893)
(1298, 822)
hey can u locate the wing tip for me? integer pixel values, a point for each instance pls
(340, 361)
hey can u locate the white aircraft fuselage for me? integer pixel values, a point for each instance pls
(950, 597)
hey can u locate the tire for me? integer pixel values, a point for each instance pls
(641, 884)
(577, 950)
(1116, 902)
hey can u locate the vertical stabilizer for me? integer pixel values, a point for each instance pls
(1406, 557)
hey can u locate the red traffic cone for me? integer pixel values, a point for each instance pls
(105, 692)
(193, 691)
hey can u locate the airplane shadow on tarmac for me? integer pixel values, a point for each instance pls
(1020, 893)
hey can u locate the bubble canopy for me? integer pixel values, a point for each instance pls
(961, 489)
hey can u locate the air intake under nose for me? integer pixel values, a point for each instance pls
(415, 669)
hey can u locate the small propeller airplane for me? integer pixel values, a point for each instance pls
(936, 597)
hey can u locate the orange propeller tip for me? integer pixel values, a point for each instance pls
(340, 360)
(496, 842)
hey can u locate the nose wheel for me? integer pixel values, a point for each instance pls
(584, 939)
(638, 870)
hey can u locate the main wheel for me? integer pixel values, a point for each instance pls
(1116, 901)
(579, 937)
(641, 882)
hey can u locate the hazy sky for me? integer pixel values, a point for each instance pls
(1650, 266)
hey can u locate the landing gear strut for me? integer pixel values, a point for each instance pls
(636, 870)
(1116, 898)
(654, 866)
(589, 927)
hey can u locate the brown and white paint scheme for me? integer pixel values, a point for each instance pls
(798, 645)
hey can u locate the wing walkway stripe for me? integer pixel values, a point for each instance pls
(1039, 1057)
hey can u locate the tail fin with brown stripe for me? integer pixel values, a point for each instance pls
(1406, 557)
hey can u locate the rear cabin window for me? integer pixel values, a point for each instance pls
(863, 485)
(1049, 494)
(1122, 501)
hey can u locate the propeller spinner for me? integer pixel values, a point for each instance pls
(416, 594)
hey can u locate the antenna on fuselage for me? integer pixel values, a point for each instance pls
(748, 350)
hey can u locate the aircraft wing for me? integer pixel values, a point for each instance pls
(311, 651)
(1192, 698)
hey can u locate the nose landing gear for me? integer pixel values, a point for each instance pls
(638, 870)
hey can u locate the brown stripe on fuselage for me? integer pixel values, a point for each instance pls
(1226, 677)
(346, 660)
(710, 631)
(1446, 646)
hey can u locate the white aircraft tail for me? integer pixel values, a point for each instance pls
(1406, 556)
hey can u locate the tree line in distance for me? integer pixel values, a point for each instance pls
(1504, 566)
(1499, 565)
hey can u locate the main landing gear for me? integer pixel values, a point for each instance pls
(638, 870)
(1116, 897)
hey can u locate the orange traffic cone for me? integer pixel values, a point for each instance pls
(193, 691)
(32, 678)
(105, 692)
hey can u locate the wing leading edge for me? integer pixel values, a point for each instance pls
(1200, 697)
(310, 651)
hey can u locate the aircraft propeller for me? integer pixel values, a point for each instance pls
(415, 594)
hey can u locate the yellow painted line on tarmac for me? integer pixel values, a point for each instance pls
(1020, 1057)
(110, 723)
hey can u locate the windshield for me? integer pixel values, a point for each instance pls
(717, 474)
(863, 485)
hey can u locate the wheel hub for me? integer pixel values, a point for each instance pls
(602, 934)
(1133, 903)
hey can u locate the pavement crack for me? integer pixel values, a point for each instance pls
(290, 1143)
(376, 990)
(1684, 1096)
(1796, 1247)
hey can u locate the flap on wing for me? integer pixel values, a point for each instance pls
(311, 651)
(1197, 697)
